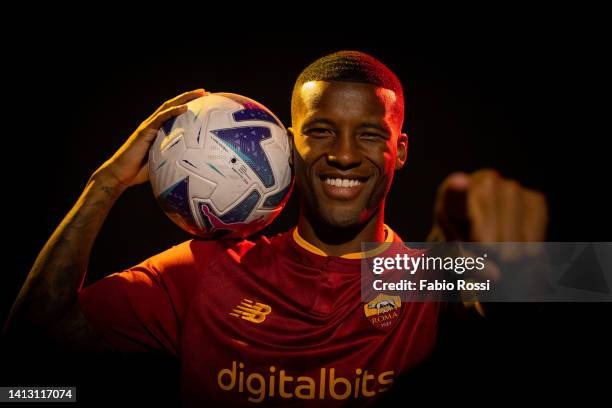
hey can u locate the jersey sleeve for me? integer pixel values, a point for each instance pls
(142, 308)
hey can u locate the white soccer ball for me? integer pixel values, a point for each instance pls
(221, 169)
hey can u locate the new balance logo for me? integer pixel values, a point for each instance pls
(252, 311)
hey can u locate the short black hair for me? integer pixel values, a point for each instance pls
(350, 66)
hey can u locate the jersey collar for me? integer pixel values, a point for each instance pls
(389, 238)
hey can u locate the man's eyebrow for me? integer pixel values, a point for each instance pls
(374, 125)
(319, 121)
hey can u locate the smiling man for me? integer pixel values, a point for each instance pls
(347, 142)
(279, 320)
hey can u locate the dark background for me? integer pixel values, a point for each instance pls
(528, 104)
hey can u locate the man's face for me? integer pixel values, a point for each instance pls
(347, 143)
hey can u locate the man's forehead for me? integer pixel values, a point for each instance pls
(315, 93)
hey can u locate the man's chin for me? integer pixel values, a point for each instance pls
(338, 218)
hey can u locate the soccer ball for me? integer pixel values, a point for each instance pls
(221, 169)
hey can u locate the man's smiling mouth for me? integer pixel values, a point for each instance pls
(342, 182)
(342, 186)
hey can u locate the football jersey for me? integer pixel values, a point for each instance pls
(273, 322)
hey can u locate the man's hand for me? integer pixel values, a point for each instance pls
(485, 207)
(128, 166)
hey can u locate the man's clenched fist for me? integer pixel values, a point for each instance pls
(486, 207)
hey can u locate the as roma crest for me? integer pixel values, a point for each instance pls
(383, 311)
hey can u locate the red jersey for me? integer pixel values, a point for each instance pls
(274, 321)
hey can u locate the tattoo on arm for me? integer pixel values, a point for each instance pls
(48, 298)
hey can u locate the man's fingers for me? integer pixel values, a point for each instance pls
(180, 100)
(535, 218)
(510, 205)
(482, 205)
(173, 107)
(509, 218)
(158, 119)
(458, 181)
(450, 210)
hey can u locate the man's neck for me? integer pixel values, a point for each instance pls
(336, 241)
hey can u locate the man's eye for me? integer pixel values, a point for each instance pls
(319, 132)
(372, 136)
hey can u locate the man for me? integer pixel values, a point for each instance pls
(281, 319)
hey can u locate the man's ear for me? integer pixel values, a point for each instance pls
(290, 140)
(402, 151)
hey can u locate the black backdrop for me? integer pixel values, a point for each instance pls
(530, 107)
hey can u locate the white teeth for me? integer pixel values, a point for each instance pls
(344, 183)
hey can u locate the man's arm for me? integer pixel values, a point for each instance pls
(47, 303)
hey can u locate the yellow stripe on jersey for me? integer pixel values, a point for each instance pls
(355, 255)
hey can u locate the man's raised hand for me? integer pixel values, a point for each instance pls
(128, 166)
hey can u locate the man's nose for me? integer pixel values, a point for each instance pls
(344, 152)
